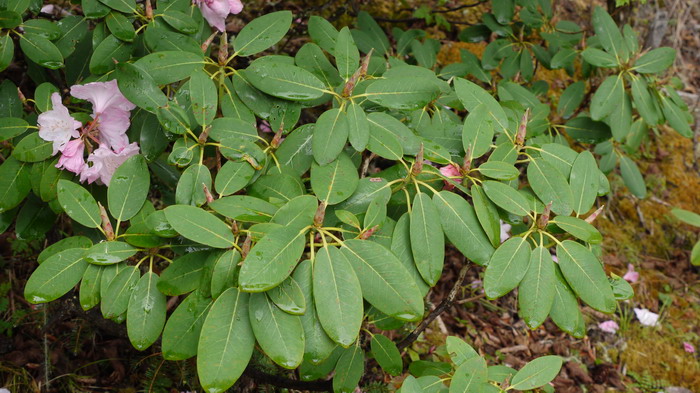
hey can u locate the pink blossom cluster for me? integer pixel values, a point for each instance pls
(216, 11)
(110, 114)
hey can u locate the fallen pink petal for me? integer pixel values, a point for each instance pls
(688, 347)
(646, 317)
(631, 275)
(609, 327)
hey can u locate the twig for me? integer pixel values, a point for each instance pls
(446, 302)
(284, 382)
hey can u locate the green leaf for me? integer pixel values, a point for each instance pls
(145, 316)
(203, 96)
(337, 296)
(78, 204)
(584, 129)
(643, 101)
(128, 188)
(279, 334)
(261, 33)
(459, 350)
(272, 259)
(462, 228)
(232, 177)
(347, 57)
(120, 26)
(584, 272)
(288, 297)
(90, 287)
(336, 181)
(109, 50)
(199, 225)
(387, 354)
(499, 170)
(654, 61)
(15, 183)
(180, 21)
(295, 152)
(608, 97)
(579, 229)
(349, 370)
(384, 124)
(507, 267)
(358, 127)
(10, 19)
(565, 312)
(584, 181)
(41, 51)
(184, 274)
(536, 290)
(225, 272)
(506, 197)
(427, 239)
(181, 332)
(190, 187)
(599, 58)
(55, 276)
(571, 99)
(244, 208)
(401, 247)
(32, 148)
(399, 93)
(110, 252)
(62, 245)
(384, 143)
(686, 216)
(125, 6)
(469, 376)
(226, 342)
(298, 213)
(323, 33)
(115, 299)
(676, 117)
(385, 283)
(166, 67)
(620, 121)
(311, 58)
(487, 214)
(477, 133)
(550, 186)
(317, 345)
(609, 34)
(7, 51)
(139, 88)
(632, 177)
(285, 81)
(330, 135)
(471, 95)
(536, 373)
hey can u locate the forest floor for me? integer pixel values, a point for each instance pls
(74, 351)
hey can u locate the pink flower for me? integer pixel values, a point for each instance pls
(631, 275)
(57, 125)
(105, 162)
(609, 327)
(72, 157)
(688, 347)
(111, 110)
(216, 11)
(505, 231)
(451, 171)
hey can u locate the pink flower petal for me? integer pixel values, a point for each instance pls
(631, 275)
(57, 125)
(72, 157)
(103, 96)
(609, 327)
(105, 161)
(688, 347)
(216, 11)
(113, 124)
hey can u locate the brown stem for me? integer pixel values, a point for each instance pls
(284, 382)
(446, 302)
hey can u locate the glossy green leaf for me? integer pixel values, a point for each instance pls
(461, 226)
(477, 133)
(571, 99)
(145, 316)
(507, 267)
(676, 117)
(579, 229)
(190, 187)
(317, 345)
(55, 276)
(550, 186)
(182, 330)
(585, 274)
(226, 342)
(656, 60)
(32, 148)
(387, 354)
(537, 373)
(609, 34)
(599, 58)
(90, 287)
(459, 351)
(337, 296)
(184, 274)
(180, 21)
(285, 81)
(128, 188)
(536, 291)
(199, 225)
(166, 67)
(565, 311)
(347, 57)
(330, 135)
(336, 181)
(203, 96)
(584, 180)
(608, 97)
(499, 170)
(349, 370)
(385, 283)
(643, 101)
(487, 213)
(427, 239)
(471, 95)
(279, 334)
(41, 51)
(125, 6)
(62, 245)
(288, 297)
(358, 127)
(110, 49)
(686, 216)
(261, 33)
(115, 299)
(272, 259)
(469, 376)
(402, 94)
(109, 252)
(120, 26)
(78, 203)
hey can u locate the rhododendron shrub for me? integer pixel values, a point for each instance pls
(298, 207)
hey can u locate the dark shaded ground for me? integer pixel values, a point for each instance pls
(61, 346)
